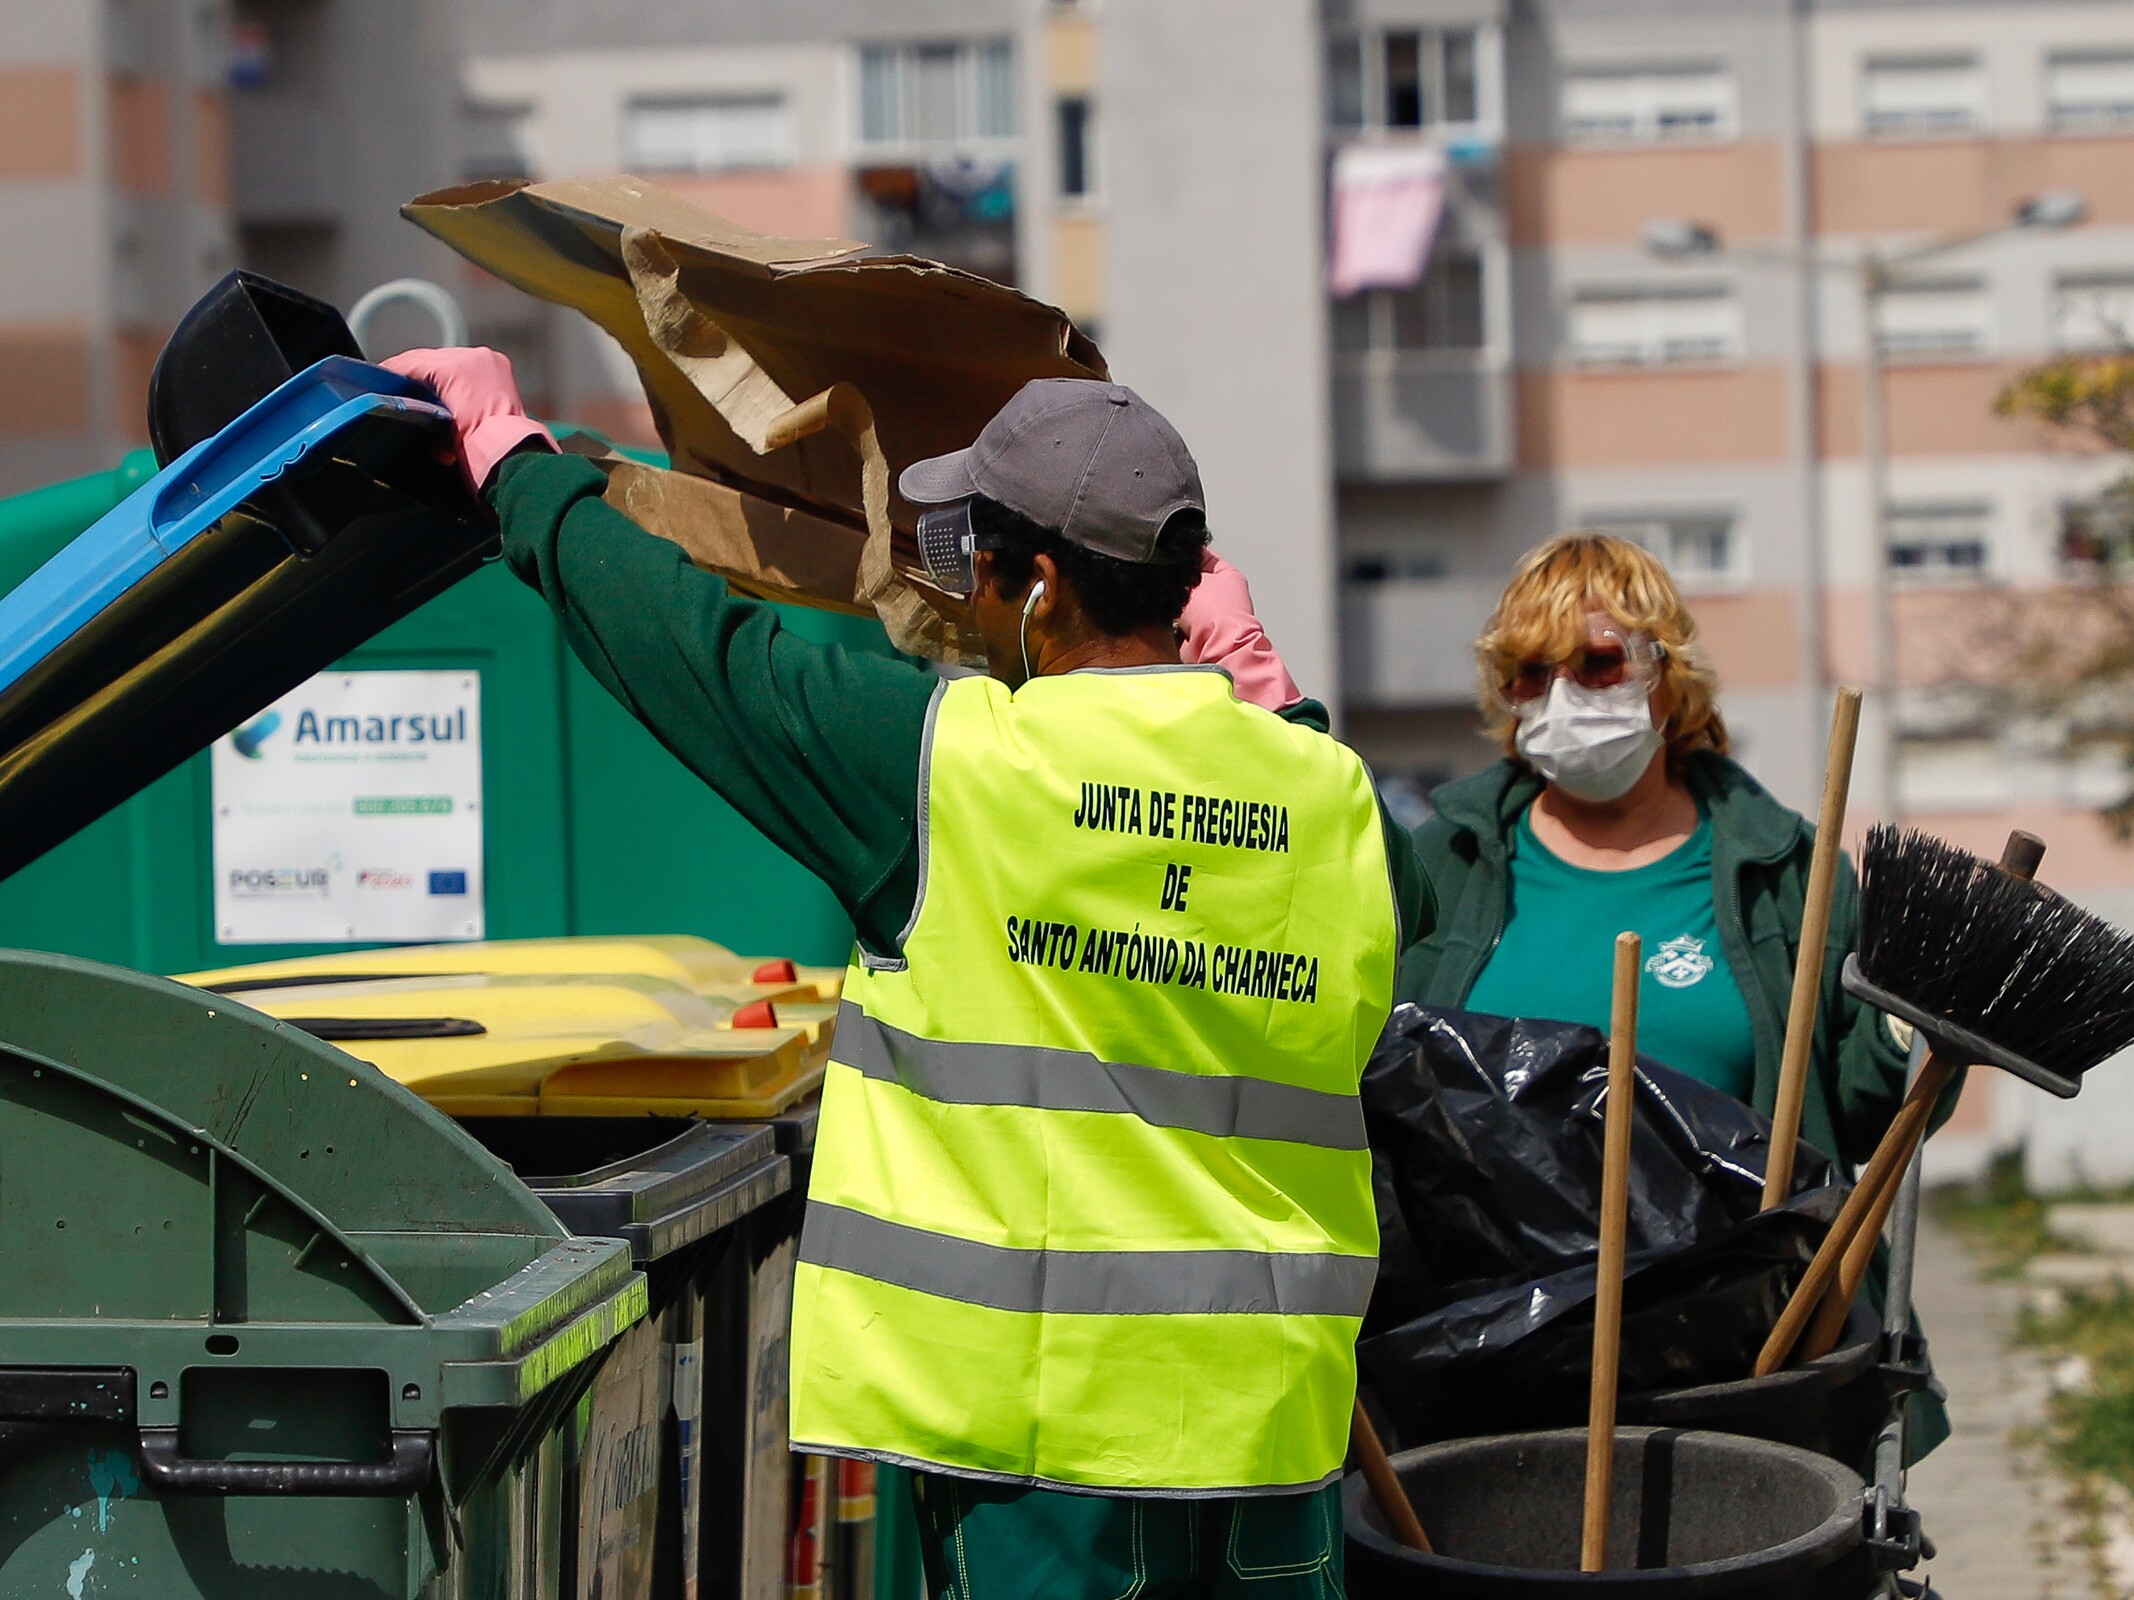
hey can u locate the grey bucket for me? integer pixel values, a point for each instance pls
(1697, 1516)
(1832, 1405)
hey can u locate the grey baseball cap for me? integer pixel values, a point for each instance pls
(1093, 460)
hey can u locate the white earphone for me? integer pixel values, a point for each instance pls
(1037, 591)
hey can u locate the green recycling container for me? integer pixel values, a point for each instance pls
(696, 1389)
(591, 826)
(269, 1326)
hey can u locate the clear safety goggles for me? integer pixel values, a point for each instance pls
(1607, 659)
(948, 547)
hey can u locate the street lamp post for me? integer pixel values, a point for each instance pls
(1874, 469)
(1676, 238)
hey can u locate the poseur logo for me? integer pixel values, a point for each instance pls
(247, 740)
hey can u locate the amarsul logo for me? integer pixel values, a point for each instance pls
(247, 740)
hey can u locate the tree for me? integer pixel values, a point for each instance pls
(2071, 649)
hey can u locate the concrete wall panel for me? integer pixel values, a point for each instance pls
(1557, 196)
(1569, 418)
(140, 134)
(44, 379)
(1931, 409)
(1959, 185)
(40, 123)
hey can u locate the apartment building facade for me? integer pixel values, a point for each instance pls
(1161, 170)
(1379, 461)
(115, 188)
(1708, 402)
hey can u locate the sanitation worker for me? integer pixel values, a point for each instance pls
(1090, 1232)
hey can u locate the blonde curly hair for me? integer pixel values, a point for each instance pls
(1541, 616)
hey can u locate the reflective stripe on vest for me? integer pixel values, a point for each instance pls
(1074, 1080)
(1091, 1201)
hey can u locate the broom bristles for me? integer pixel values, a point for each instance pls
(1993, 953)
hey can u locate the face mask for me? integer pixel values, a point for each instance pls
(1591, 743)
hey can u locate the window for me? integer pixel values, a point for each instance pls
(1939, 541)
(1908, 95)
(1384, 566)
(1659, 326)
(955, 209)
(937, 95)
(494, 140)
(2094, 311)
(2087, 89)
(1699, 547)
(1684, 100)
(1442, 312)
(2097, 536)
(1935, 317)
(707, 133)
(1403, 78)
(1077, 168)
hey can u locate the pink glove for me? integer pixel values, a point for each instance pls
(1221, 630)
(487, 414)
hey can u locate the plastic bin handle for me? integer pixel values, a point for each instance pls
(414, 1456)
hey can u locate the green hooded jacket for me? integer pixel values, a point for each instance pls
(1760, 853)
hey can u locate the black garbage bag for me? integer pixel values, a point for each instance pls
(1486, 1140)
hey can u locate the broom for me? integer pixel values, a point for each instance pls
(1992, 969)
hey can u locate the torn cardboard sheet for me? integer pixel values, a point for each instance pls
(738, 337)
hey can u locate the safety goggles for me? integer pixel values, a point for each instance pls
(948, 546)
(1608, 660)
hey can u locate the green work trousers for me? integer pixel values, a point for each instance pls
(984, 1541)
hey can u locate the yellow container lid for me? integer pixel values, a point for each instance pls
(676, 958)
(576, 1026)
(490, 1034)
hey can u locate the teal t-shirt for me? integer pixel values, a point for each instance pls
(1557, 955)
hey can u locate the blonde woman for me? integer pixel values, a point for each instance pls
(1616, 807)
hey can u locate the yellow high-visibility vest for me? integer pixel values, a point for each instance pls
(1091, 1202)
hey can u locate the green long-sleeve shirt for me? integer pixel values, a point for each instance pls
(817, 746)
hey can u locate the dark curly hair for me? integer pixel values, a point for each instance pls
(1120, 597)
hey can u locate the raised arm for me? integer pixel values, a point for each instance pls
(1220, 629)
(817, 746)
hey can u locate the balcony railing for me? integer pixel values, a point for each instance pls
(1410, 641)
(1432, 416)
(288, 167)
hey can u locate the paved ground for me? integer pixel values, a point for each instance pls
(1990, 1504)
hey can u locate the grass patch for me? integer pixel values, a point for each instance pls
(1998, 1216)
(2090, 1423)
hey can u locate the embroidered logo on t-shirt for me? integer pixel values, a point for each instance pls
(1680, 962)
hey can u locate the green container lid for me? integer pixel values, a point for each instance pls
(192, 1184)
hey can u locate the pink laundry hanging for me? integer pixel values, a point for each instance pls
(1386, 204)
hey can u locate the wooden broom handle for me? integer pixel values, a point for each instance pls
(1830, 1317)
(1614, 1243)
(1815, 939)
(1861, 1218)
(1384, 1483)
(1885, 1169)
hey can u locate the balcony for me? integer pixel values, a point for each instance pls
(1422, 416)
(287, 164)
(1409, 642)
